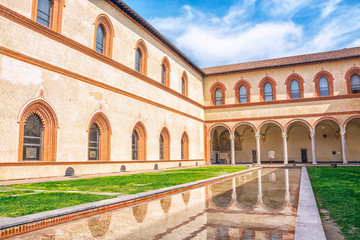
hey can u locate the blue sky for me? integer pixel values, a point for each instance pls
(219, 32)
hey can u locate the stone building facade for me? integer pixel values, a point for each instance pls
(90, 87)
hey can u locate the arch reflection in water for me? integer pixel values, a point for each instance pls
(201, 215)
(139, 212)
(186, 197)
(99, 225)
(165, 204)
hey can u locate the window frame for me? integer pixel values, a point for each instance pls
(262, 90)
(213, 88)
(348, 76)
(142, 139)
(165, 76)
(237, 87)
(184, 84)
(164, 145)
(107, 26)
(288, 82)
(141, 47)
(330, 80)
(56, 14)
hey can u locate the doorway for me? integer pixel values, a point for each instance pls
(304, 155)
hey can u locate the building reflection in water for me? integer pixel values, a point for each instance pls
(250, 206)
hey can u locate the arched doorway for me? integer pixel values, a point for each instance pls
(352, 137)
(328, 141)
(299, 141)
(245, 143)
(271, 142)
(220, 145)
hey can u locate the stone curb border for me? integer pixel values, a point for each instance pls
(43, 216)
(308, 222)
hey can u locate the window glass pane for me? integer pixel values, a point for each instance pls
(218, 97)
(94, 134)
(32, 142)
(324, 87)
(355, 83)
(242, 94)
(268, 92)
(295, 89)
(163, 74)
(161, 147)
(43, 12)
(183, 86)
(135, 144)
(182, 149)
(100, 34)
(138, 60)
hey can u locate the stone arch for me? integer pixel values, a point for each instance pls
(99, 225)
(298, 140)
(104, 126)
(139, 212)
(165, 148)
(165, 204)
(349, 119)
(348, 75)
(245, 142)
(45, 112)
(140, 129)
(141, 46)
(271, 139)
(352, 138)
(184, 84)
(270, 121)
(104, 21)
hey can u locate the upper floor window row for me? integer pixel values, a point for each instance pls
(323, 82)
(48, 13)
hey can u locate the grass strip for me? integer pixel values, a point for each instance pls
(14, 192)
(338, 191)
(134, 183)
(16, 206)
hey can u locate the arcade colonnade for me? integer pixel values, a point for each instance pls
(327, 138)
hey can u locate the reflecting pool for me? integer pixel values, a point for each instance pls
(257, 205)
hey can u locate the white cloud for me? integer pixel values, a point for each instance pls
(330, 7)
(244, 34)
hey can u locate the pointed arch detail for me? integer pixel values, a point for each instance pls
(104, 21)
(185, 146)
(140, 130)
(141, 46)
(165, 148)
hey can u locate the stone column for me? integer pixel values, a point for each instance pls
(313, 148)
(232, 139)
(233, 195)
(284, 136)
(257, 136)
(260, 203)
(209, 149)
(343, 145)
(287, 195)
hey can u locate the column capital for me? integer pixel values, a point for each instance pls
(284, 135)
(312, 133)
(342, 132)
(257, 135)
(232, 136)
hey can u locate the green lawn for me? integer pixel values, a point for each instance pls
(338, 191)
(134, 183)
(13, 192)
(45, 201)
(13, 206)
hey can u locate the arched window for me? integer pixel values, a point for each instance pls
(355, 84)
(138, 60)
(323, 87)
(267, 88)
(94, 142)
(165, 72)
(268, 92)
(38, 132)
(104, 34)
(184, 84)
(99, 137)
(48, 13)
(164, 145)
(218, 97)
(135, 146)
(33, 139)
(243, 94)
(100, 35)
(295, 89)
(141, 56)
(138, 148)
(184, 147)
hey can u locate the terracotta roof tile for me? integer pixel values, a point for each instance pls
(286, 61)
